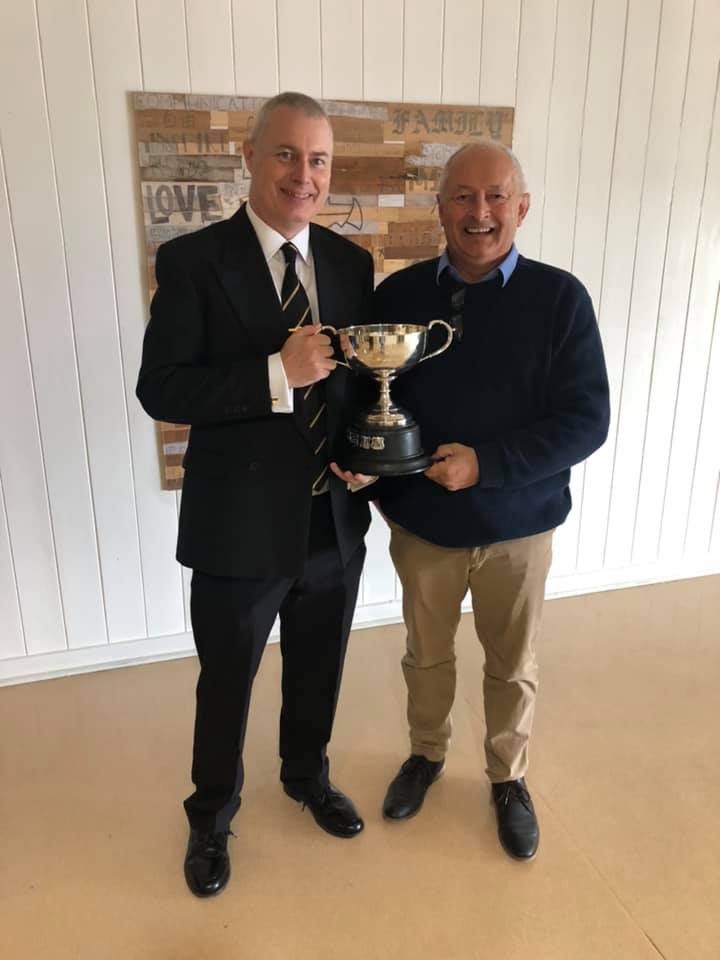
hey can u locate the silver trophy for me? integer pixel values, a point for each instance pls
(385, 440)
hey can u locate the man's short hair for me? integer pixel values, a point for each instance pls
(291, 99)
(518, 175)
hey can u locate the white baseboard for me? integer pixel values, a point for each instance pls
(63, 663)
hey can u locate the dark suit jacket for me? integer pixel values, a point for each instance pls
(214, 320)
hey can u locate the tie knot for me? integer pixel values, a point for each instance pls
(289, 252)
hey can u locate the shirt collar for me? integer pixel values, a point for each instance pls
(505, 269)
(271, 241)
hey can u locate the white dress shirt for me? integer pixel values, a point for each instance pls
(271, 242)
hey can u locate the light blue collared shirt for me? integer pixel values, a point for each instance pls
(505, 269)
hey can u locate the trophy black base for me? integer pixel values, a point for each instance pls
(384, 451)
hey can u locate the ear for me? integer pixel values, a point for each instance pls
(248, 153)
(523, 207)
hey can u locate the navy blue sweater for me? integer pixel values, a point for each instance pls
(526, 386)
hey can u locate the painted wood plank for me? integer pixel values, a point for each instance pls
(598, 138)
(21, 462)
(423, 50)
(342, 49)
(462, 39)
(624, 212)
(81, 192)
(534, 83)
(163, 30)
(12, 642)
(698, 335)
(116, 56)
(565, 126)
(701, 526)
(649, 257)
(299, 47)
(256, 48)
(595, 175)
(210, 46)
(499, 56)
(383, 49)
(653, 507)
(29, 168)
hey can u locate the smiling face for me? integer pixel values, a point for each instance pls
(480, 210)
(290, 164)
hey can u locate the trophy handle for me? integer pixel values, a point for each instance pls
(447, 343)
(326, 326)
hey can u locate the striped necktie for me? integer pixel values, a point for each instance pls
(308, 402)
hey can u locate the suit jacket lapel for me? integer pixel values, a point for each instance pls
(246, 280)
(329, 290)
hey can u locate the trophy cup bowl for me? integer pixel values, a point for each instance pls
(384, 440)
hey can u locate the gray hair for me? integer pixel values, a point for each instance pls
(291, 99)
(518, 175)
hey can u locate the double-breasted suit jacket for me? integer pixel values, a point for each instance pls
(214, 321)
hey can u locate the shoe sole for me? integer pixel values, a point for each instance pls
(409, 816)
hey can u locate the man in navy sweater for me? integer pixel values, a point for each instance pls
(518, 399)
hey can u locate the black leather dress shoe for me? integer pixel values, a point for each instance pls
(207, 864)
(333, 811)
(406, 793)
(517, 824)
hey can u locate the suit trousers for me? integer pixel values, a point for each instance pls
(507, 585)
(231, 620)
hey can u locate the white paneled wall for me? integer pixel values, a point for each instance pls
(618, 127)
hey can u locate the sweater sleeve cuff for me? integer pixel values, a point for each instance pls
(489, 460)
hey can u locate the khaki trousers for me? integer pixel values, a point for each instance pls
(507, 584)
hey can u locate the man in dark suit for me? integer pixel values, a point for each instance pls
(233, 348)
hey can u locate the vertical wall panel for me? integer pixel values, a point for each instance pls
(115, 49)
(255, 32)
(534, 82)
(342, 49)
(299, 46)
(423, 50)
(672, 317)
(210, 46)
(41, 257)
(462, 39)
(78, 163)
(11, 632)
(651, 244)
(21, 462)
(498, 59)
(697, 337)
(379, 573)
(706, 478)
(383, 49)
(565, 125)
(627, 177)
(598, 139)
(163, 44)
(595, 175)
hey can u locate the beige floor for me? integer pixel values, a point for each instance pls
(625, 775)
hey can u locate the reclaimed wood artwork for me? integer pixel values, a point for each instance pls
(387, 160)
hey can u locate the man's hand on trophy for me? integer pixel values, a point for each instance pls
(356, 481)
(456, 467)
(307, 356)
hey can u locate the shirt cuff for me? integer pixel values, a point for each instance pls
(355, 485)
(280, 392)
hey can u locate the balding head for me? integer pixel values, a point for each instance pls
(482, 202)
(485, 145)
